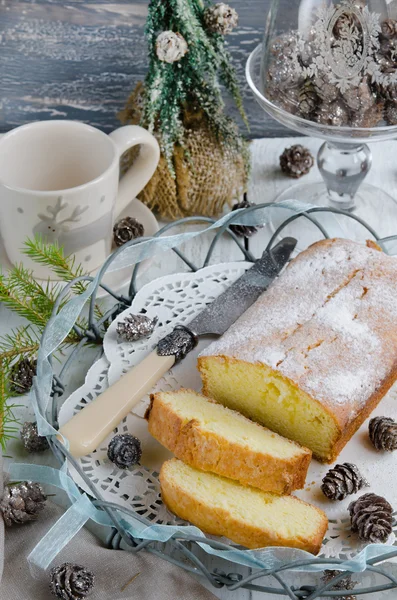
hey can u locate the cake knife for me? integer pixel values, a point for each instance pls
(89, 427)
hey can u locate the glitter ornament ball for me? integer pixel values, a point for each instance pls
(171, 47)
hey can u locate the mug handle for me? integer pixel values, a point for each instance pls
(144, 166)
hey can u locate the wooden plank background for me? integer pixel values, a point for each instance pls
(79, 59)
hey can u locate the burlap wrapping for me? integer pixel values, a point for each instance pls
(208, 176)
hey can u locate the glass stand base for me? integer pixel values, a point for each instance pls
(373, 205)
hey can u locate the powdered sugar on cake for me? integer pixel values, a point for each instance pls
(329, 324)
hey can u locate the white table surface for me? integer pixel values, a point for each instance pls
(267, 182)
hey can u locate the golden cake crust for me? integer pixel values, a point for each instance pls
(328, 326)
(209, 451)
(222, 522)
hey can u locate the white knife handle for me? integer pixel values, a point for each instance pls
(90, 426)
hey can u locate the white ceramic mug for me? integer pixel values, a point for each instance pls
(60, 179)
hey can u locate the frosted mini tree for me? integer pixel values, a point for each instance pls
(188, 60)
(182, 91)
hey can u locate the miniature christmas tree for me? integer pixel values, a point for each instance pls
(181, 103)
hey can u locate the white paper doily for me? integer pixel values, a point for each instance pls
(177, 299)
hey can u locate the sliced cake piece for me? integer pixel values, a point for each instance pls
(210, 437)
(245, 515)
(317, 352)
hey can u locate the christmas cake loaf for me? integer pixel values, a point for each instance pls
(316, 353)
(245, 515)
(210, 437)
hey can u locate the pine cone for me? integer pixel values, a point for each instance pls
(359, 98)
(21, 376)
(127, 229)
(124, 450)
(71, 582)
(171, 47)
(308, 99)
(371, 517)
(243, 230)
(335, 114)
(135, 327)
(220, 18)
(341, 481)
(389, 28)
(296, 161)
(369, 118)
(391, 113)
(383, 433)
(343, 584)
(22, 502)
(32, 441)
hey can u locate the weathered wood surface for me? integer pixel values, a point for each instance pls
(79, 59)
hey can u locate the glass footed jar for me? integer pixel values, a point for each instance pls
(328, 69)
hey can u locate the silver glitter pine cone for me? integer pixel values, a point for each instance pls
(124, 450)
(32, 441)
(127, 229)
(71, 582)
(170, 47)
(296, 161)
(383, 433)
(22, 502)
(343, 584)
(371, 517)
(391, 113)
(135, 327)
(341, 481)
(243, 230)
(220, 18)
(21, 376)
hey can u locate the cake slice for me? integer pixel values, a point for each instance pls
(317, 352)
(245, 515)
(210, 437)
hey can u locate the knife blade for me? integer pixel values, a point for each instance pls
(89, 427)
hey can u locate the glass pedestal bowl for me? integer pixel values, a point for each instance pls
(329, 70)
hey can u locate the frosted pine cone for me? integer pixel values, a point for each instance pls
(296, 161)
(21, 376)
(335, 114)
(369, 118)
(32, 441)
(383, 433)
(170, 47)
(341, 481)
(308, 99)
(124, 450)
(391, 113)
(243, 230)
(359, 98)
(371, 517)
(220, 18)
(135, 327)
(389, 28)
(71, 582)
(343, 584)
(22, 502)
(127, 229)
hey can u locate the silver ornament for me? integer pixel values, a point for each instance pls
(22, 502)
(220, 18)
(170, 46)
(135, 327)
(71, 582)
(32, 441)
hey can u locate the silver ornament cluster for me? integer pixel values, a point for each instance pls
(71, 582)
(171, 47)
(343, 73)
(32, 441)
(22, 502)
(220, 18)
(135, 327)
